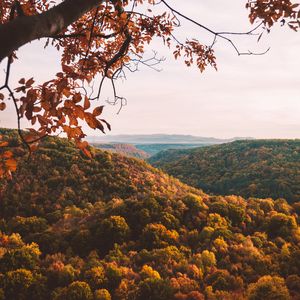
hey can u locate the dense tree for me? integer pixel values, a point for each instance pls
(281, 225)
(102, 294)
(100, 37)
(17, 283)
(154, 289)
(95, 277)
(79, 290)
(268, 288)
(254, 168)
(160, 239)
(111, 230)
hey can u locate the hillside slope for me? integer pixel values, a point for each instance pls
(73, 228)
(58, 175)
(260, 168)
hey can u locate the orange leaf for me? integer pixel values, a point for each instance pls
(77, 97)
(2, 106)
(98, 110)
(22, 81)
(91, 120)
(3, 144)
(67, 69)
(66, 92)
(87, 103)
(11, 164)
(7, 154)
(29, 82)
(33, 147)
(87, 152)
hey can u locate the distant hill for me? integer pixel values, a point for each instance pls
(259, 168)
(154, 143)
(113, 227)
(152, 149)
(124, 149)
(158, 139)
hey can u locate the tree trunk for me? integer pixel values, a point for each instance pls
(23, 30)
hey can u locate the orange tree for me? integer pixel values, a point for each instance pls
(99, 38)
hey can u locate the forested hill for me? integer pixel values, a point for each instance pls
(258, 168)
(73, 228)
(58, 175)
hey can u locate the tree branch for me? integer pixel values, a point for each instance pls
(25, 29)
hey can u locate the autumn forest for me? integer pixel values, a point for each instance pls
(185, 218)
(116, 228)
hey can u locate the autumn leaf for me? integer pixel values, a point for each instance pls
(3, 144)
(67, 69)
(77, 97)
(11, 164)
(87, 152)
(29, 82)
(107, 124)
(87, 103)
(66, 92)
(98, 110)
(7, 154)
(2, 106)
(22, 81)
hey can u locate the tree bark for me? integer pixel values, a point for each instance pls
(25, 29)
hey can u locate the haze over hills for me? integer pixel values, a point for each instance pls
(257, 168)
(158, 139)
(113, 227)
(152, 144)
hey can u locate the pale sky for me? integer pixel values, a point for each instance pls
(256, 96)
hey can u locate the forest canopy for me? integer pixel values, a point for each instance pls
(254, 168)
(116, 228)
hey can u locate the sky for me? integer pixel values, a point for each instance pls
(249, 96)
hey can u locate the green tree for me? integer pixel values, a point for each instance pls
(154, 289)
(113, 229)
(17, 284)
(79, 290)
(158, 236)
(268, 288)
(26, 257)
(95, 277)
(102, 294)
(281, 225)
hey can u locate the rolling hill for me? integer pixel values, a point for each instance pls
(152, 144)
(113, 227)
(258, 168)
(58, 175)
(157, 139)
